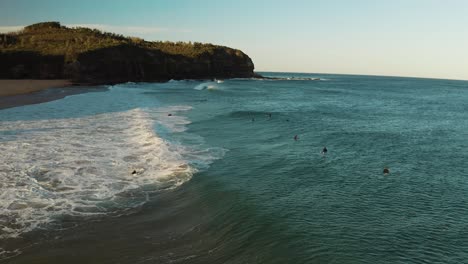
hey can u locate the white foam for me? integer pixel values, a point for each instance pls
(6, 254)
(206, 86)
(84, 166)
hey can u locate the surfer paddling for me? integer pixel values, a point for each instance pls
(324, 150)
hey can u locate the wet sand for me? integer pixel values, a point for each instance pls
(23, 92)
(15, 87)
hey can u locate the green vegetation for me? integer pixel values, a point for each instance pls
(51, 38)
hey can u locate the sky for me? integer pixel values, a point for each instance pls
(418, 38)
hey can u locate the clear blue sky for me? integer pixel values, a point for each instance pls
(425, 38)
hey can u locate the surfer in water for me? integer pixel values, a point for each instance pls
(324, 150)
(386, 170)
(296, 137)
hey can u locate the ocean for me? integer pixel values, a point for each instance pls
(231, 171)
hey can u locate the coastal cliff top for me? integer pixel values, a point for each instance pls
(52, 38)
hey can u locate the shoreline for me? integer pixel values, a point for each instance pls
(15, 93)
(19, 92)
(10, 87)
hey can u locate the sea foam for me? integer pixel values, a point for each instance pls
(90, 166)
(206, 86)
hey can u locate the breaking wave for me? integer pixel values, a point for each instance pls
(91, 166)
(206, 86)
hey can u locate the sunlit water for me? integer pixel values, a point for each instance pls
(209, 172)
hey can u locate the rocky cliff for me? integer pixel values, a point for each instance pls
(51, 51)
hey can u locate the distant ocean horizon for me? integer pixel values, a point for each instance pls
(274, 73)
(232, 171)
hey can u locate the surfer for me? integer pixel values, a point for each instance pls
(324, 150)
(269, 115)
(296, 137)
(134, 172)
(386, 170)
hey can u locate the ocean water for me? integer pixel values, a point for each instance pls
(209, 172)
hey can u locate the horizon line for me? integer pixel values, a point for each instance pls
(362, 74)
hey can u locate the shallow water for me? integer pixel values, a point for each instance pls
(219, 181)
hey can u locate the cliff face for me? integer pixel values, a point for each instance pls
(51, 51)
(129, 63)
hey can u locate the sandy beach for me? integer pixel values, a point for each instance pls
(15, 87)
(23, 92)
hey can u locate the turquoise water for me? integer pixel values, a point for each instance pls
(220, 181)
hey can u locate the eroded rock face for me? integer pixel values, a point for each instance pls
(125, 63)
(30, 65)
(128, 63)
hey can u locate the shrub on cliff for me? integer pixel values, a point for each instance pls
(51, 38)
